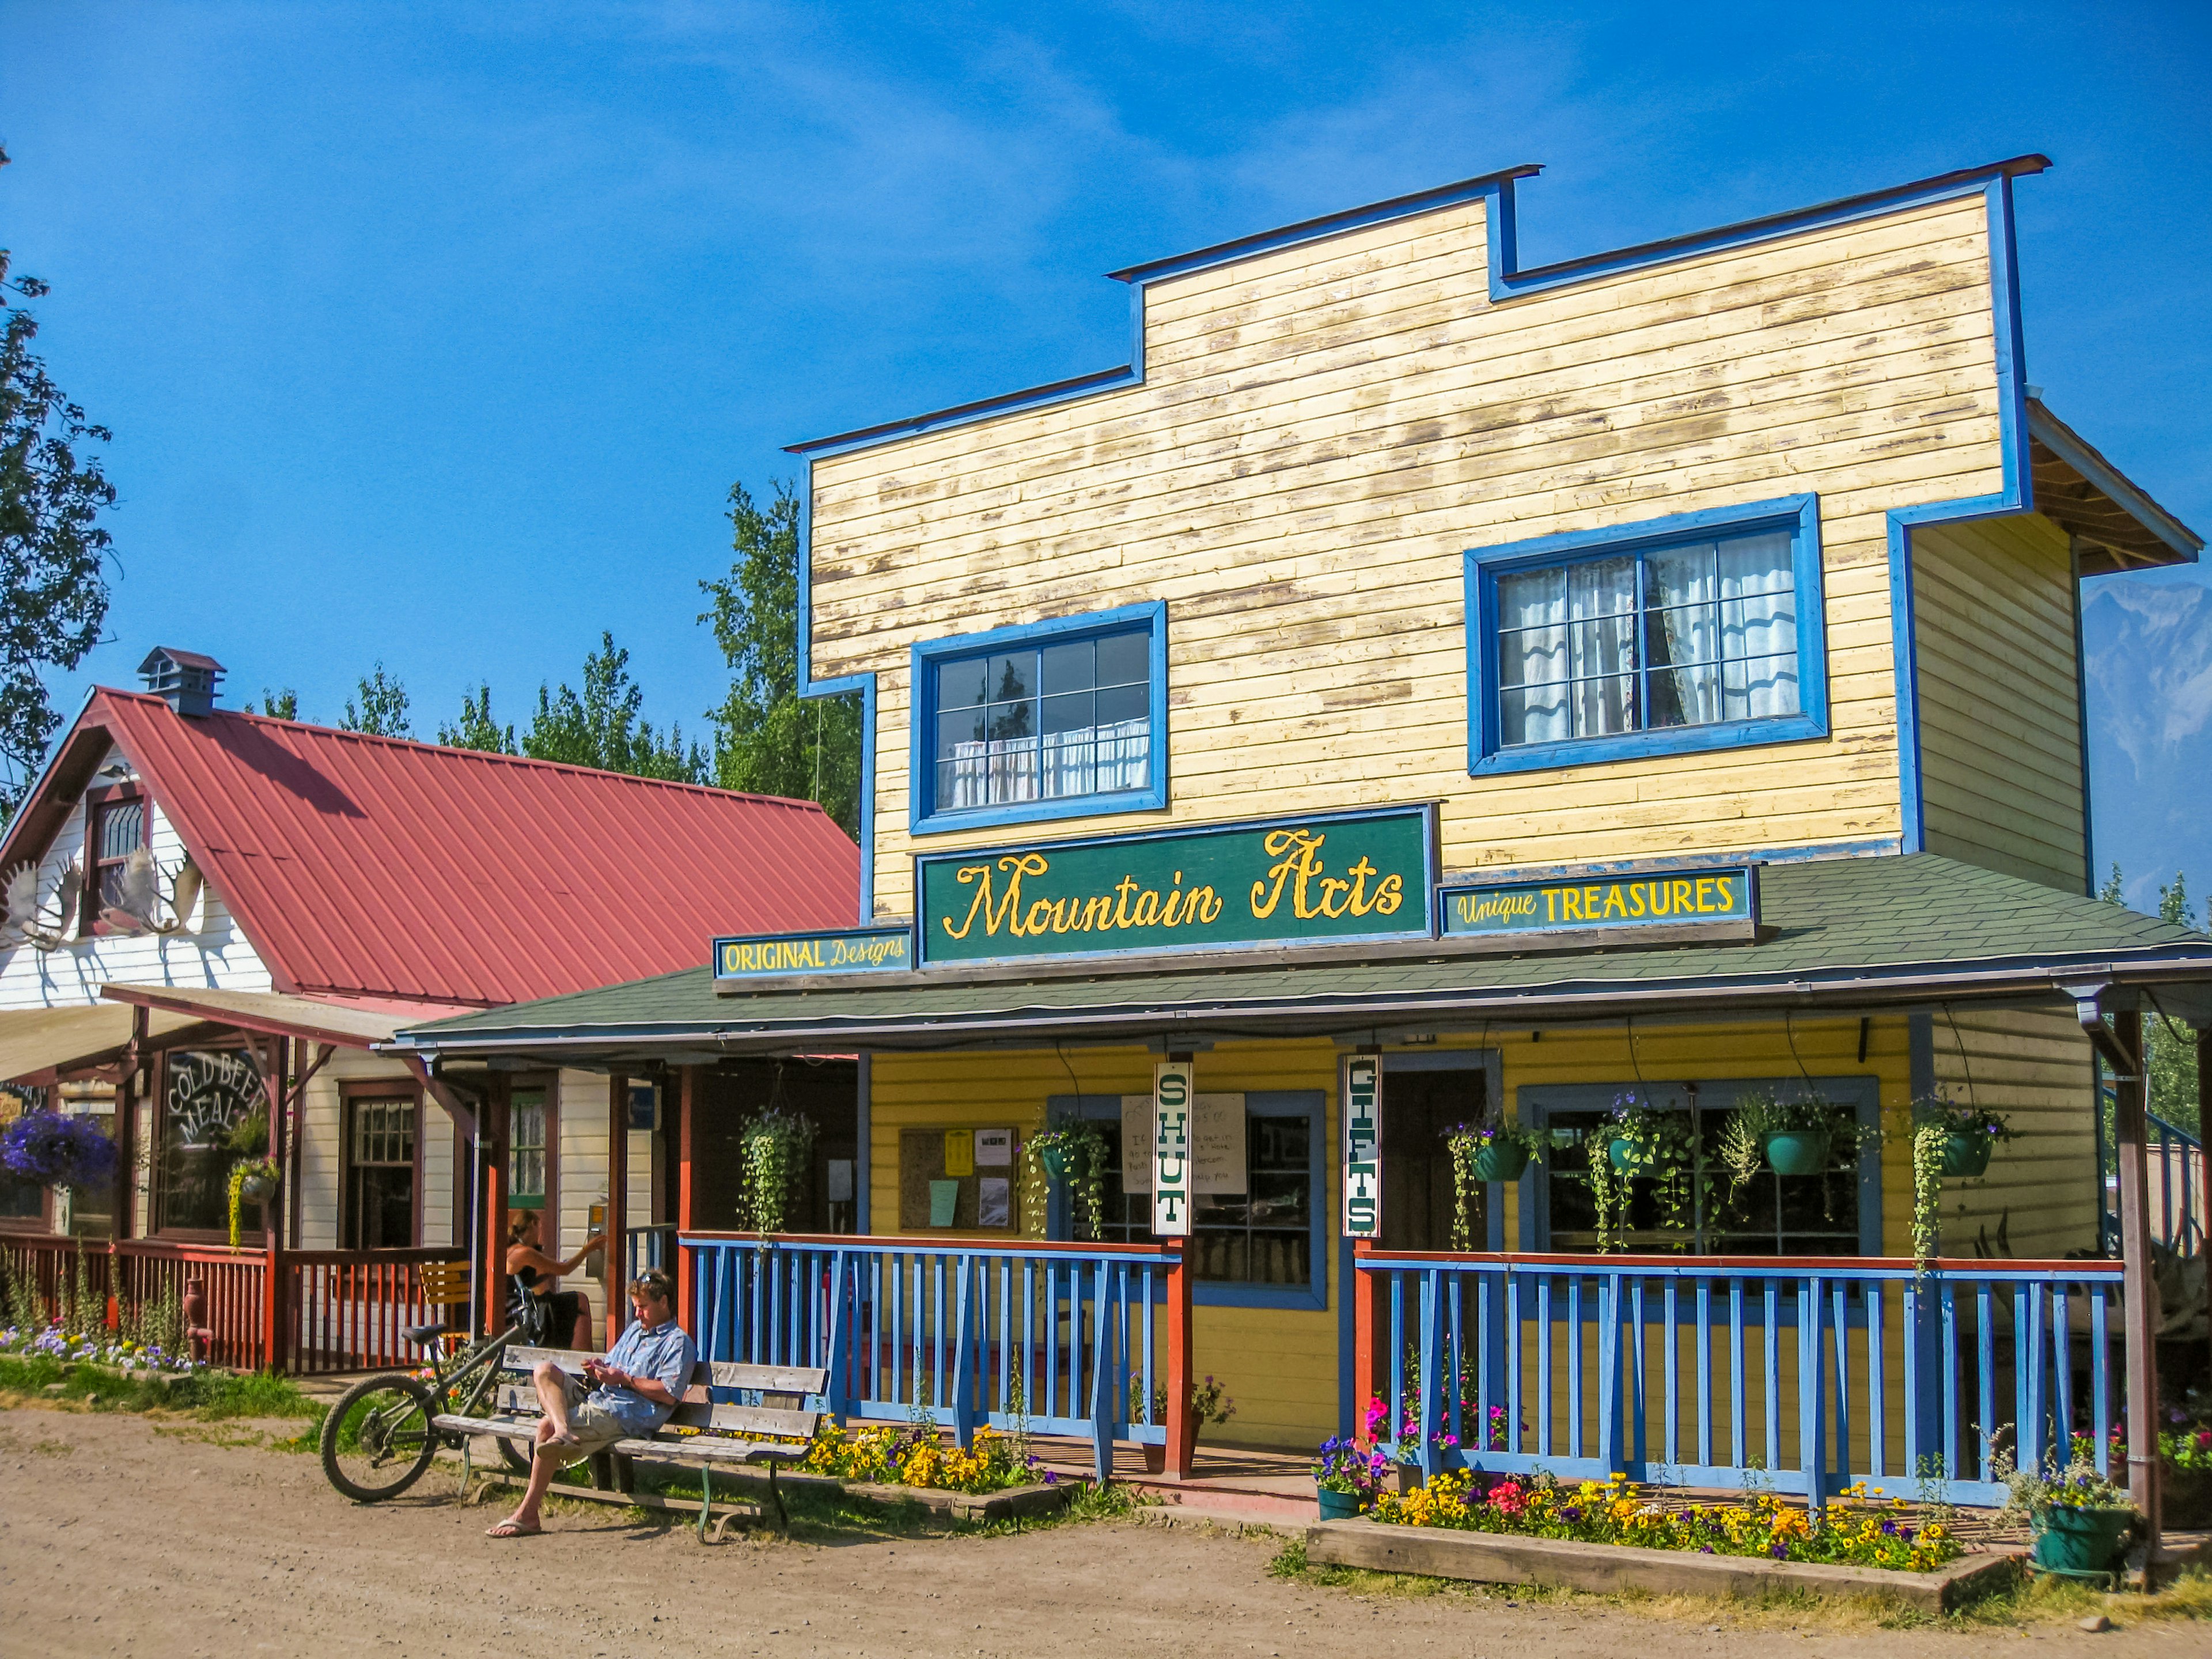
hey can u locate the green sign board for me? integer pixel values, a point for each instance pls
(852, 951)
(1329, 877)
(1664, 899)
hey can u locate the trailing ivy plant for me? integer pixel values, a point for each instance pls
(1763, 1112)
(245, 1170)
(1080, 1148)
(1465, 1142)
(1661, 1149)
(776, 1151)
(1937, 1121)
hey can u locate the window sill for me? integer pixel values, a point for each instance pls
(1641, 745)
(1042, 812)
(1308, 1298)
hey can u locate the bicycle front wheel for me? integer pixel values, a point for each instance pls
(378, 1439)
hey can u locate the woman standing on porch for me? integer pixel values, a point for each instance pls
(539, 1272)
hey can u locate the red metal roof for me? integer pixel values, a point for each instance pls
(363, 866)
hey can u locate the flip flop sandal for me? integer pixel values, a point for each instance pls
(508, 1529)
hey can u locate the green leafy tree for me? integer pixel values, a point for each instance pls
(2169, 1047)
(279, 705)
(768, 738)
(53, 591)
(602, 727)
(383, 709)
(476, 729)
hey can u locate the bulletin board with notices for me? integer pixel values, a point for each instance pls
(962, 1180)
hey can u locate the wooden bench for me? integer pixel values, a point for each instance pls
(702, 1432)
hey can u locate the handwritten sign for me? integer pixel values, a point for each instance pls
(854, 951)
(1703, 896)
(1362, 1145)
(1331, 876)
(1218, 1145)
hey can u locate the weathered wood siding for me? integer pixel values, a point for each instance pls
(2041, 1191)
(209, 952)
(1326, 429)
(1999, 697)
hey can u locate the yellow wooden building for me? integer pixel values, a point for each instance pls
(1656, 676)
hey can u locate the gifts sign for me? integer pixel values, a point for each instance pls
(1363, 1147)
(1173, 1130)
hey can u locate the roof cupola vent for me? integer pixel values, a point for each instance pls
(186, 678)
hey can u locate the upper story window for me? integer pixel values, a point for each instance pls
(117, 829)
(1697, 632)
(1055, 720)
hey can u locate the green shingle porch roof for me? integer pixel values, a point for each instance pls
(1837, 934)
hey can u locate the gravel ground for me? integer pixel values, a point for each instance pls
(120, 1534)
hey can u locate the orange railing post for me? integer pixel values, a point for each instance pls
(1362, 1292)
(1182, 1431)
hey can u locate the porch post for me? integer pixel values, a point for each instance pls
(1180, 1428)
(492, 1137)
(686, 1269)
(126, 1137)
(1362, 1291)
(2139, 1282)
(272, 1214)
(616, 1252)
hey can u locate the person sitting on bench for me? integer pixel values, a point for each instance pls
(633, 1390)
(541, 1274)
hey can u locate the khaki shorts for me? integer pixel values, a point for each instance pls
(595, 1427)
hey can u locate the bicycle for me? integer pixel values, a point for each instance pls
(380, 1436)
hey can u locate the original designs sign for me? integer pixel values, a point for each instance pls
(856, 951)
(1704, 898)
(1344, 876)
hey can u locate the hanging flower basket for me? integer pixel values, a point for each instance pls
(1967, 1156)
(1626, 1156)
(255, 1188)
(1502, 1160)
(1054, 1159)
(54, 1149)
(1797, 1151)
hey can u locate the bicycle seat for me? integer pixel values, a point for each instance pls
(422, 1335)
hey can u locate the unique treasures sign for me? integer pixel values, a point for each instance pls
(1330, 876)
(854, 951)
(1714, 898)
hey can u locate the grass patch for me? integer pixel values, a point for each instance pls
(2024, 1603)
(42, 1380)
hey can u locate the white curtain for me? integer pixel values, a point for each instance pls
(1091, 759)
(1758, 626)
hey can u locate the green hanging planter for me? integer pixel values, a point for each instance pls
(1502, 1160)
(1967, 1155)
(1624, 1157)
(1797, 1151)
(1054, 1159)
(2070, 1540)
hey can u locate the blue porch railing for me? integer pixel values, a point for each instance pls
(653, 1246)
(1799, 1373)
(1059, 1337)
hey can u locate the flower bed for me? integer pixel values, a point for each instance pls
(129, 1357)
(1848, 1531)
(916, 1457)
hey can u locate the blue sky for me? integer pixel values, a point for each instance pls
(438, 334)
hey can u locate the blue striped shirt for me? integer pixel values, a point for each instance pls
(665, 1353)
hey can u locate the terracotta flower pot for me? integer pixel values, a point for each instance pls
(1797, 1151)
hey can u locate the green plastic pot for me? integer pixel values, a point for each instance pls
(1967, 1155)
(1339, 1506)
(1501, 1160)
(2080, 1541)
(1624, 1157)
(1054, 1159)
(1797, 1151)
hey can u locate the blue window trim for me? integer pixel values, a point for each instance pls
(1799, 514)
(1311, 1104)
(923, 817)
(1535, 1102)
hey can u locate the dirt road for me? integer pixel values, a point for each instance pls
(121, 1535)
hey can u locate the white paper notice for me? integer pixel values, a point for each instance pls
(994, 1201)
(1220, 1149)
(994, 1148)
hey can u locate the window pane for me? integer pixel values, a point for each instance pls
(1069, 712)
(1012, 719)
(963, 684)
(122, 827)
(1532, 598)
(207, 1097)
(1126, 659)
(1013, 676)
(1601, 707)
(1759, 686)
(1534, 714)
(1123, 703)
(1758, 600)
(1530, 656)
(1069, 667)
(957, 732)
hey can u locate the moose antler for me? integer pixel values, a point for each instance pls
(24, 917)
(136, 895)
